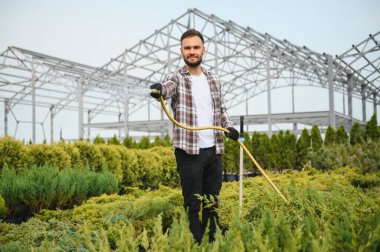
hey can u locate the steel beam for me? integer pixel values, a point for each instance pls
(6, 111)
(350, 86)
(51, 123)
(364, 106)
(80, 108)
(330, 81)
(33, 107)
(374, 97)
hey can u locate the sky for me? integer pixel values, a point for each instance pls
(94, 31)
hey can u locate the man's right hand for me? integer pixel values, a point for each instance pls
(156, 90)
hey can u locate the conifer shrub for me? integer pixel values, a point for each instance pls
(302, 147)
(341, 136)
(150, 171)
(28, 191)
(326, 213)
(46, 154)
(230, 159)
(3, 208)
(34, 232)
(75, 157)
(114, 140)
(325, 158)
(129, 165)
(170, 176)
(316, 138)
(370, 161)
(129, 142)
(13, 154)
(365, 181)
(99, 140)
(330, 136)
(356, 134)
(372, 129)
(112, 159)
(144, 143)
(90, 155)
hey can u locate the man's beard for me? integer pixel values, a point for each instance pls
(192, 64)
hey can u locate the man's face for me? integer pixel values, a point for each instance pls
(192, 50)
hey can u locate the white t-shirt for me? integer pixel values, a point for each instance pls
(204, 107)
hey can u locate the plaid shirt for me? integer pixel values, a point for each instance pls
(177, 86)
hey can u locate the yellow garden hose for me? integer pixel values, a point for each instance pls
(227, 131)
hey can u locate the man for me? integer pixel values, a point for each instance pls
(197, 101)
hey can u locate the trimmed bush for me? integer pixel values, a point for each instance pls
(90, 155)
(74, 154)
(13, 154)
(44, 154)
(149, 173)
(112, 160)
(129, 165)
(170, 176)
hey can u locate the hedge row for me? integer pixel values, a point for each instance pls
(132, 167)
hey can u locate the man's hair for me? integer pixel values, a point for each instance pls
(192, 33)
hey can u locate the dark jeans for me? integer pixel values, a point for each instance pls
(200, 174)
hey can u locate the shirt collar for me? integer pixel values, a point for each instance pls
(184, 71)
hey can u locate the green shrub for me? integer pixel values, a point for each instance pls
(303, 145)
(356, 134)
(129, 142)
(44, 154)
(326, 213)
(325, 158)
(112, 160)
(34, 232)
(90, 155)
(150, 171)
(13, 154)
(144, 143)
(3, 209)
(99, 140)
(372, 129)
(370, 161)
(330, 136)
(46, 187)
(230, 160)
(73, 152)
(365, 181)
(129, 165)
(316, 138)
(165, 142)
(170, 176)
(114, 140)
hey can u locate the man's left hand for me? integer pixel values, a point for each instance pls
(233, 133)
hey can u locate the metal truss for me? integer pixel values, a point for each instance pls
(249, 63)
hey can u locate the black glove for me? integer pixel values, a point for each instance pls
(234, 134)
(156, 90)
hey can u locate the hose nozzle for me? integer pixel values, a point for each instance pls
(155, 91)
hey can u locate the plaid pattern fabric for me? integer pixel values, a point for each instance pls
(177, 86)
